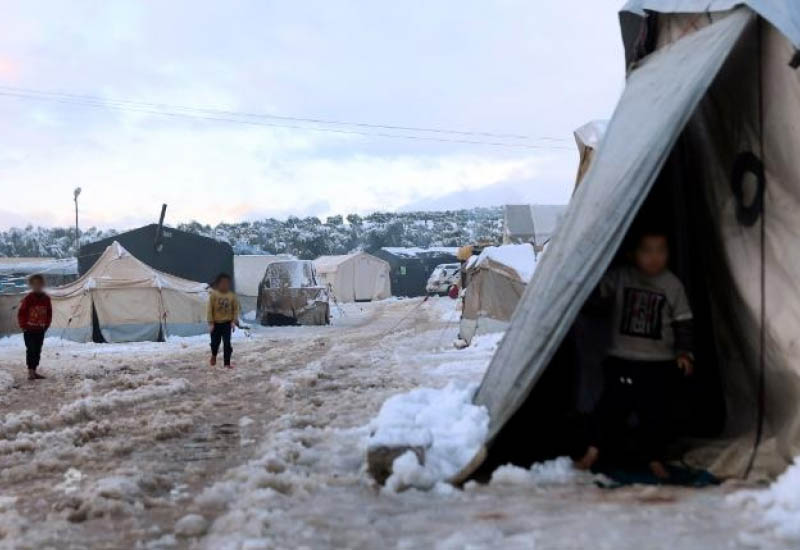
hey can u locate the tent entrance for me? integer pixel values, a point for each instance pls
(553, 420)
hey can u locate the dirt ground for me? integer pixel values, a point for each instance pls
(122, 441)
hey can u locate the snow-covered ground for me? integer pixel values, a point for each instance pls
(145, 446)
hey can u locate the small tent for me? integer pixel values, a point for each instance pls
(120, 299)
(358, 277)
(411, 267)
(531, 223)
(705, 136)
(496, 280)
(248, 272)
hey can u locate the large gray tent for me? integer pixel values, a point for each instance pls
(711, 107)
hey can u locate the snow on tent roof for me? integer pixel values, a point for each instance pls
(519, 257)
(590, 134)
(416, 252)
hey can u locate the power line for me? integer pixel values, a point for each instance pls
(275, 117)
(246, 118)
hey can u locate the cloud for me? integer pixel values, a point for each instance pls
(508, 67)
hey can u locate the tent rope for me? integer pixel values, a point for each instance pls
(762, 359)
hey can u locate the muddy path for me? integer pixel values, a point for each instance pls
(121, 442)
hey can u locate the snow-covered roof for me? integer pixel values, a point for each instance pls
(519, 257)
(417, 252)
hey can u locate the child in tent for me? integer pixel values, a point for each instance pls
(34, 317)
(651, 344)
(223, 317)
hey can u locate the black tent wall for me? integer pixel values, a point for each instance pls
(182, 254)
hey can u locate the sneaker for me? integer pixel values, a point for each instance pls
(38, 376)
(228, 366)
(31, 374)
(213, 360)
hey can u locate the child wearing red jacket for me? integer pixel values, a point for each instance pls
(34, 317)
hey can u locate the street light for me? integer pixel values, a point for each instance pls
(75, 194)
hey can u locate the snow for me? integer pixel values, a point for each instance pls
(553, 472)
(519, 257)
(442, 421)
(191, 525)
(777, 507)
(124, 441)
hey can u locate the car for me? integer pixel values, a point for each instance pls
(289, 294)
(443, 277)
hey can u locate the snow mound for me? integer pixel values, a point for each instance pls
(551, 472)
(779, 505)
(443, 422)
(191, 525)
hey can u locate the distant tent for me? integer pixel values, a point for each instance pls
(358, 277)
(588, 138)
(531, 223)
(120, 299)
(496, 280)
(705, 139)
(412, 266)
(248, 271)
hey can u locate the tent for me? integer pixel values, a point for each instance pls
(496, 280)
(248, 271)
(588, 138)
(120, 299)
(531, 223)
(705, 136)
(412, 266)
(358, 277)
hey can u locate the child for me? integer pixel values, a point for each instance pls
(223, 316)
(652, 339)
(34, 317)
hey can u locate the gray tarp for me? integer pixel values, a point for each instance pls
(660, 97)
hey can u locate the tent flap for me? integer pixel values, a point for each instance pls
(660, 97)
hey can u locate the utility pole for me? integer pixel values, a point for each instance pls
(75, 194)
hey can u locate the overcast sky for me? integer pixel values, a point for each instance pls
(538, 69)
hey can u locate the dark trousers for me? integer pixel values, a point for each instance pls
(33, 347)
(222, 332)
(633, 416)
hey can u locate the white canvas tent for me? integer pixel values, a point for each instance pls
(131, 302)
(248, 271)
(357, 277)
(531, 223)
(709, 125)
(496, 280)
